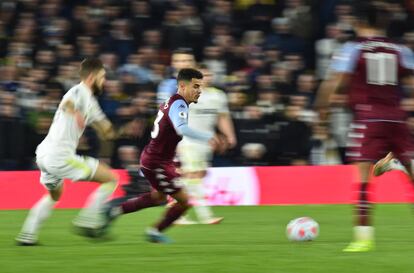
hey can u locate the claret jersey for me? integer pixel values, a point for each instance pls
(376, 66)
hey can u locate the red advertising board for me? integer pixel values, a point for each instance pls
(234, 186)
(21, 189)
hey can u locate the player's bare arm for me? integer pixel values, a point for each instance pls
(408, 81)
(218, 143)
(225, 125)
(328, 88)
(105, 129)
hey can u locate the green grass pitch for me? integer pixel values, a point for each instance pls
(251, 239)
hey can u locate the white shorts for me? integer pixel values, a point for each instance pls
(194, 157)
(76, 168)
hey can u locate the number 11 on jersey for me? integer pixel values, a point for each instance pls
(381, 68)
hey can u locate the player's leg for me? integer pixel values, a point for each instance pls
(117, 207)
(366, 142)
(363, 229)
(195, 160)
(195, 188)
(390, 163)
(90, 215)
(145, 200)
(163, 179)
(403, 149)
(155, 233)
(149, 199)
(193, 185)
(187, 153)
(184, 220)
(108, 180)
(166, 181)
(410, 195)
(41, 210)
(175, 211)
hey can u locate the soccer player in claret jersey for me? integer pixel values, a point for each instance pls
(209, 113)
(372, 70)
(170, 125)
(57, 159)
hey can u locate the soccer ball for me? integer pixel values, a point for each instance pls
(302, 229)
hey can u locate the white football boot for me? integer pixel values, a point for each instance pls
(388, 163)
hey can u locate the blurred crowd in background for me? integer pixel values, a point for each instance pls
(269, 56)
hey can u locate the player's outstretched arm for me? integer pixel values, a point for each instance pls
(218, 143)
(178, 115)
(105, 129)
(185, 130)
(327, 89)
(225, 125)
(342, 66)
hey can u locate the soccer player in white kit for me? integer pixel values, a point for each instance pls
(209, 112)
(57, 159)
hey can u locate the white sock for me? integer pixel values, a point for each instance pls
(364, 233)
(96, 200)
(184, 218)
(196, 190)
(153, 231)
(397, 165)
(38, 214)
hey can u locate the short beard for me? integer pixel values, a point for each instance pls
(96, 89)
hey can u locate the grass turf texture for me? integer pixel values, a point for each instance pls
(251, 239)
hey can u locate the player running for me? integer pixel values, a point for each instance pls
(57, 159)
(170, 125)
(211, 111)
(372, 70)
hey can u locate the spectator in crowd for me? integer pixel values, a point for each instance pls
(325, 48)
(283, 38)
(12, 133)
(294, 141)
(213, 59)
(181, 58)
(252, 137)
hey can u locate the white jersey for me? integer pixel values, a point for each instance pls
(64, 133)
(203, 115)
